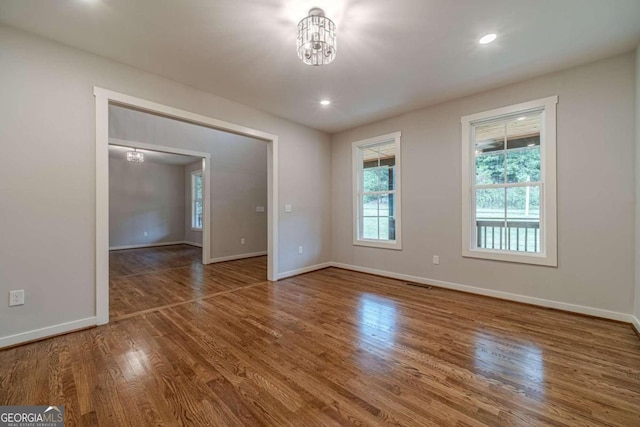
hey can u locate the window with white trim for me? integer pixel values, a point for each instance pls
(509, 183)
(196, 200)
(376, 190)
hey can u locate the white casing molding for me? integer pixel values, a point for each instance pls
(635, 322)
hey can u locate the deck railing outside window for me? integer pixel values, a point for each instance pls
(523, 236)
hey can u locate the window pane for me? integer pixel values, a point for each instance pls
(199, 187)
(378, 166)
(490, 168)
(490, 218)
(523, 164)
(379, 178)
(489, 153)
(196, 221)
(387, 222)
(378, 221)
(522, 127)
(370, 228)
(523, 218)
(380, 154)
(523, 148)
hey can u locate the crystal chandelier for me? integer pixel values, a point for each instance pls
(316, 38)
(135, 156)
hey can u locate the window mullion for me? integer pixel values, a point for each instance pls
(508, 185)
(506, 181)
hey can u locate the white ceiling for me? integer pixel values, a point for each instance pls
(120, 152)
(393, 56)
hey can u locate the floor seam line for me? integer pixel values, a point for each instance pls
(167, 306)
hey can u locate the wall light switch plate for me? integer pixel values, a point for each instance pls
(16, 297)
(288, 208)
(436, 259)
(242, 241)
(299, 249)
(259, 208)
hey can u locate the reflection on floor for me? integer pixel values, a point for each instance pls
(144, 279)
(332, 347)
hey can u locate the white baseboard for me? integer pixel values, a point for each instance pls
(636, 323)
(197, 245)
(149, 245)
(49, 331)
(591, 311)
(304, 270)
(235, 257)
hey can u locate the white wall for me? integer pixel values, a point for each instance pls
(595, 135)
(637, 187)
(47, 115)
(145, 198)
(238, 175)
(190, 235)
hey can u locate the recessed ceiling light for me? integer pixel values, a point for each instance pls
(521, 118)
(488, 38)
(325, 102)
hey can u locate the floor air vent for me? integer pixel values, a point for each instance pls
(419, 285)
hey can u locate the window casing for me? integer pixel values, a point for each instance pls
(376, 192)
(509, 183)
(196, 200)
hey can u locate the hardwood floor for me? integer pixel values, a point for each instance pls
(144, 279)
(335, 347)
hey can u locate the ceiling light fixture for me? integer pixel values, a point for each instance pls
(316, 38)
(487, 38)
(521, 118)
(325, 102)
(135, 156)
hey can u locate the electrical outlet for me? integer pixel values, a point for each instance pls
(145, 234)
(288, 208)
(242, 241)
(16, 297)
(436, 259)
(259, 208)
(299, 249)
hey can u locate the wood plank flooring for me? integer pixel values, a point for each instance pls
(144, 279)
(335, 347)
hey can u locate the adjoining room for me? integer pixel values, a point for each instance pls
(158, 197)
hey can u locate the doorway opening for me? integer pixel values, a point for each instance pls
(107, 103)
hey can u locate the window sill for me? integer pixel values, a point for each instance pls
(381, 244)
(520, 258)
(196, 229)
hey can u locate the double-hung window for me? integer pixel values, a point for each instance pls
(509, 183)
(376, 191)
(196, 200)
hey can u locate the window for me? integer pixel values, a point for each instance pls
(376, 190)
(196, 200)
(509, 183)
